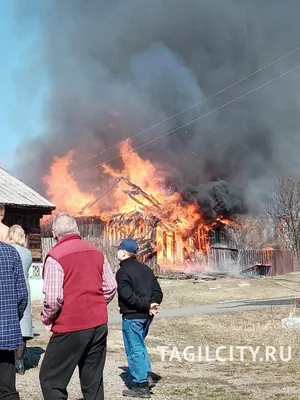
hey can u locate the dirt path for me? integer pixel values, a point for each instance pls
(219, 308)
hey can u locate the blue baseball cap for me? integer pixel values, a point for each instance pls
(129, 245)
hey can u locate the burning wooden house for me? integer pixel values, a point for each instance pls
(162, 242)
(25, 207)
(171, 231)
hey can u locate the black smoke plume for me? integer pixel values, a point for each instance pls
(113, 68)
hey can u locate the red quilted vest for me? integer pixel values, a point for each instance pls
(84, 305)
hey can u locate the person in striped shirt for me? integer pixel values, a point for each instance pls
(78, 285)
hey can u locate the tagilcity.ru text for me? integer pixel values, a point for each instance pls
(226, 353)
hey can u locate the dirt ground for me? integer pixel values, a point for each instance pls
(184, 293)
(232, 379)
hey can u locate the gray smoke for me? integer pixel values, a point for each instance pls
(148, 60)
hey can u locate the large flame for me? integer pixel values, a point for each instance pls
(62, 188)
(151, 179)
(138, 187)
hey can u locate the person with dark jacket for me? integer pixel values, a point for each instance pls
(139, 298)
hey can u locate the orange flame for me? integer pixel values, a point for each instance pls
(141, 187)
(150, 179)
(62, 188)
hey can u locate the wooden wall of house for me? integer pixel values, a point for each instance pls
(29, 219)
(90, 227)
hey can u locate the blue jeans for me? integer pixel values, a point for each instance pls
(134, 334)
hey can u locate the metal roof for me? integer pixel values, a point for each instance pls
(15, 192)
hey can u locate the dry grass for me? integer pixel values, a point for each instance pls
(201, 380)
(232, 379)
(184, 293)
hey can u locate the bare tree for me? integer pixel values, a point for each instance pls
(252, 233)
(284, 208)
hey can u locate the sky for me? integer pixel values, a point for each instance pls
(20, 108)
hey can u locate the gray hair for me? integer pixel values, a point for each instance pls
(63, 225)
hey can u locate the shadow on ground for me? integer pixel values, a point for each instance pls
(126, 378)
(264, 303)
(32, 357)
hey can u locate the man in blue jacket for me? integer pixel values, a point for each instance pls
(139, 297)
(13, 301)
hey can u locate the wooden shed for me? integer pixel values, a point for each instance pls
(25, 207)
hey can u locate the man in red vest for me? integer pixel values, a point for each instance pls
(78, 285)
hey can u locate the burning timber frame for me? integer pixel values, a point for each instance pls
(160, 242)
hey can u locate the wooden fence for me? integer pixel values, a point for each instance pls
(230, 260)
(281, 261)
(223, 260)
(220, 260)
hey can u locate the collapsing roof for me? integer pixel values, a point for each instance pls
(13, 192)
(161, 242)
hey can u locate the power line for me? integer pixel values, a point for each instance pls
(188, 123)
(187, 109)
(195, 119)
